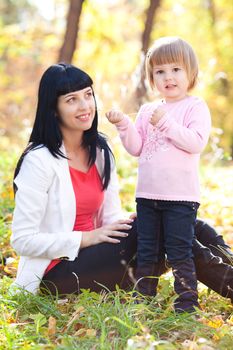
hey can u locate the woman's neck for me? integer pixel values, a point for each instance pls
(72, 141)
(78, 156)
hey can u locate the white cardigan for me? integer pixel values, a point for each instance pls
(45, 211)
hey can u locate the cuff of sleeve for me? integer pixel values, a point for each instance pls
(77, 237)
(124, 122)
(164, 122)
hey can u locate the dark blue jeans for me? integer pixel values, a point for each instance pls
(174, 222)
(165, 226)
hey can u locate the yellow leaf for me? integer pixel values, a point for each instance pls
(81, 332)
(216, 322)
(52, 325)
(91, 332)
(230, 321)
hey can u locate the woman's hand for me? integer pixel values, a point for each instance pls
(114, 116)
(106, 233)
(133, 216)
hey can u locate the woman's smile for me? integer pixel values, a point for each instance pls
(76, 110)
(84, 117)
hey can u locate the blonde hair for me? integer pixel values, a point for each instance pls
(172, 50)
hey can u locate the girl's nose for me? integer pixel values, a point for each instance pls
(168, 76)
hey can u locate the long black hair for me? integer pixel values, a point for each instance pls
(61, 79)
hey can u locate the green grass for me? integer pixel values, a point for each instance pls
(112, 320)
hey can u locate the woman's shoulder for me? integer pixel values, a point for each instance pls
(37, 165)
(40, 157)
(40, 152)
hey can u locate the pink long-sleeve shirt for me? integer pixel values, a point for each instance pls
(168, 152)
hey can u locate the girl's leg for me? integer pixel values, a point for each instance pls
(178, 220)
(150, 251)
(96, 267)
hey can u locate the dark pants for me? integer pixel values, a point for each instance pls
(106, 264)
(173, 222)
(165, 223)
(103, 265)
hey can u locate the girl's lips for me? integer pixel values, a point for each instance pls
(170, 86)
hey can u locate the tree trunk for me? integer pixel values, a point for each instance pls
(150, 14)
(71, 34)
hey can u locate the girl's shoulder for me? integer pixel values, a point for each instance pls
(195, 100)
(150, 106)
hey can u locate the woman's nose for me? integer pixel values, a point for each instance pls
(82, 104)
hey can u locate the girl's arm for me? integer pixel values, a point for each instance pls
(129, 133)
(192, 137)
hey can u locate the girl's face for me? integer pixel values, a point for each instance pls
(76, 110)
(171, 81)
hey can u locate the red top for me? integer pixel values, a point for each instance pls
(89, 197)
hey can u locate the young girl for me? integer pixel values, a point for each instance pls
(168, 137)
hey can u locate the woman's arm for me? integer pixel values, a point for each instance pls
(31, 206)
(107, 233)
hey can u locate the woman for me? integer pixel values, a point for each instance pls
(67, 224)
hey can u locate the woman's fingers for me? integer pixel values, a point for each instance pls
(124, 221)
(111, 240)
(133, 216)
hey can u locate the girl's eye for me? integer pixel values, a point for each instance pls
(176, 69)
(159, 71)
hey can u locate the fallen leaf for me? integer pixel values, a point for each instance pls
(81, 332)
(91, 332)
(52, 326)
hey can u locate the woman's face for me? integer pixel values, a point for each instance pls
(76, 110)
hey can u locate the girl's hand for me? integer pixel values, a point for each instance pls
(157, 115)
(108, 233)
(114, 116)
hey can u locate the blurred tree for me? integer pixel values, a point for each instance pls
(71, 34)
(150, 14)
(11, 10)
(110, 40)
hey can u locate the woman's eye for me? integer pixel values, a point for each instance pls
(89, 94)
(70, 100)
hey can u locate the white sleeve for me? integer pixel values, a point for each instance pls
(33, 183)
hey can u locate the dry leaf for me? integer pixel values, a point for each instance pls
(52, 326)
(112, 334)
(91, 332)
(74, 317)
(81, 332)
(78, 326)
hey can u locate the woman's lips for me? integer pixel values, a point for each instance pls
(83, 117)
